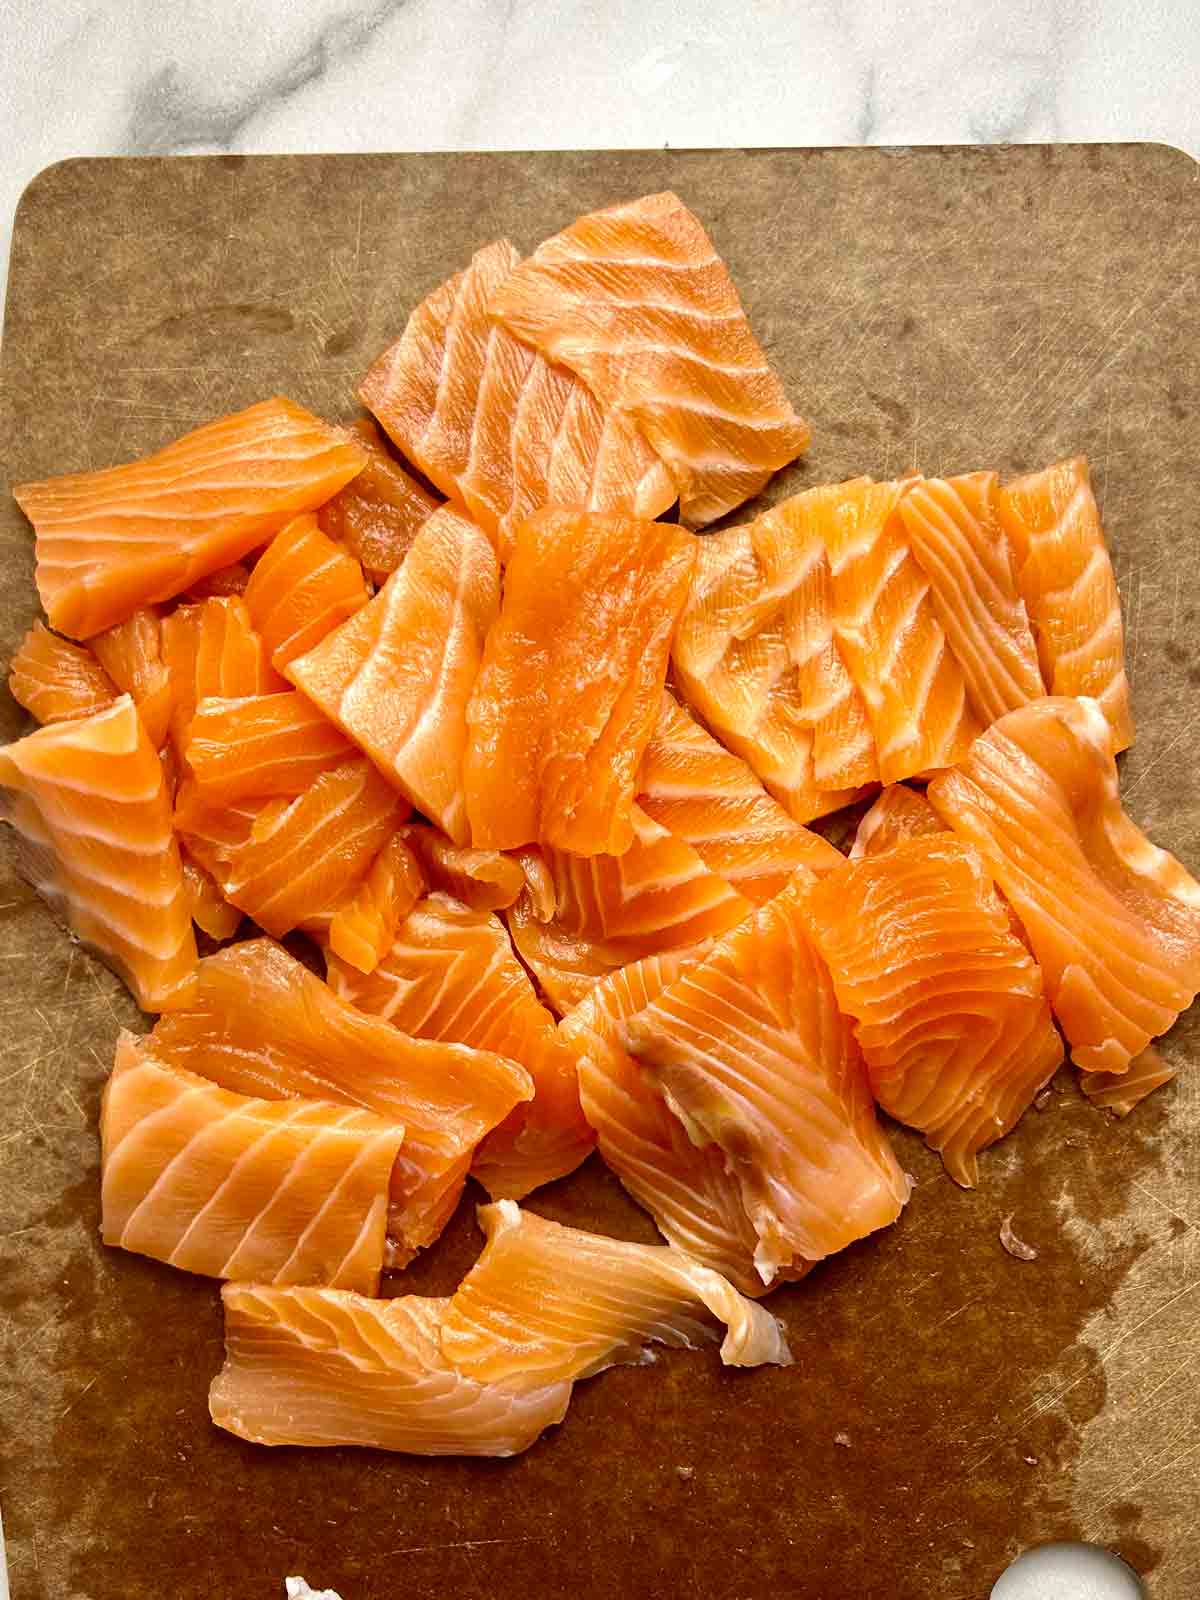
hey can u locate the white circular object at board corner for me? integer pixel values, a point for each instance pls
(1068, 1572)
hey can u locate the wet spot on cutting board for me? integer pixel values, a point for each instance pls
(342, 340)
(1129, 1544)
(894, 410)
(225, 321)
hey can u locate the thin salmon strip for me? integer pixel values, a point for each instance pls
(259, 1023)
(213, 651)
(224, 583)
(1113, 921)
(325, 1367)
(566, 966)
(55, 679)
(218, 831)
(397, 676)
(268, 1191)
(451, 975)
(295, 857)
(889, 635)
(210, 910)
(302, 588)
(131, 654)
(1123, 1092)
(755, 653)
(548, 1303)
(571, 681)
(362, 931)
(611, 910)
(710, 798)
(752, 1052)
(949, 1008)
(111, 541)
(257, 746)
(377, 515)
(954, 530)
(498, 428)
(89, 803)
(638, 303)
(900, 813)
(1067, 581)
(540, 893)
(485, 880)
(688, 1190)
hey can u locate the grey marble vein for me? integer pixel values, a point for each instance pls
(171, 112)
(868, 116)
(1025, 110)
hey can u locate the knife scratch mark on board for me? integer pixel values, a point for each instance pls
(1158, 1201)
(1156, 761)
(79, 1396)
(460, 1544)
(1104, 460)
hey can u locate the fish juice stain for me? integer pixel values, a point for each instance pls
(938, 1368)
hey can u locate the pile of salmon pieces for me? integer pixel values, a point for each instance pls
(461, 807)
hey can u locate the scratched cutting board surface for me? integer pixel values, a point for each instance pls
(939, 309)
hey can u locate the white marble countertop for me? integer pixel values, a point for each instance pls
(156, 77)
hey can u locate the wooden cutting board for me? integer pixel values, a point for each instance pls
(938, 309)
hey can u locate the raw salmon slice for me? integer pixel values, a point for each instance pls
(571, 681)
(611, 910)
(269, 1191)
(1113, 921)
(900, 813)
(1123, 1092)
(755, 652)
(1068, 585)
(294, 858)
(451, 975)
(258, 746)
(949, 1008)
(687, 1189)
(131, 654)
(485, 880)
(361, 931)
(548, 1303)
(752, 1052)
(396, 677)
(889, 635)
(111, 541)
(89, 802)
(954, 529)
(637, 302)
(324, 1367)
(710, 798)
(259, 1023)
(55, 679)
(302, 588)
(377, 515)
(210, 910)
(498, 428)
(213, 651)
